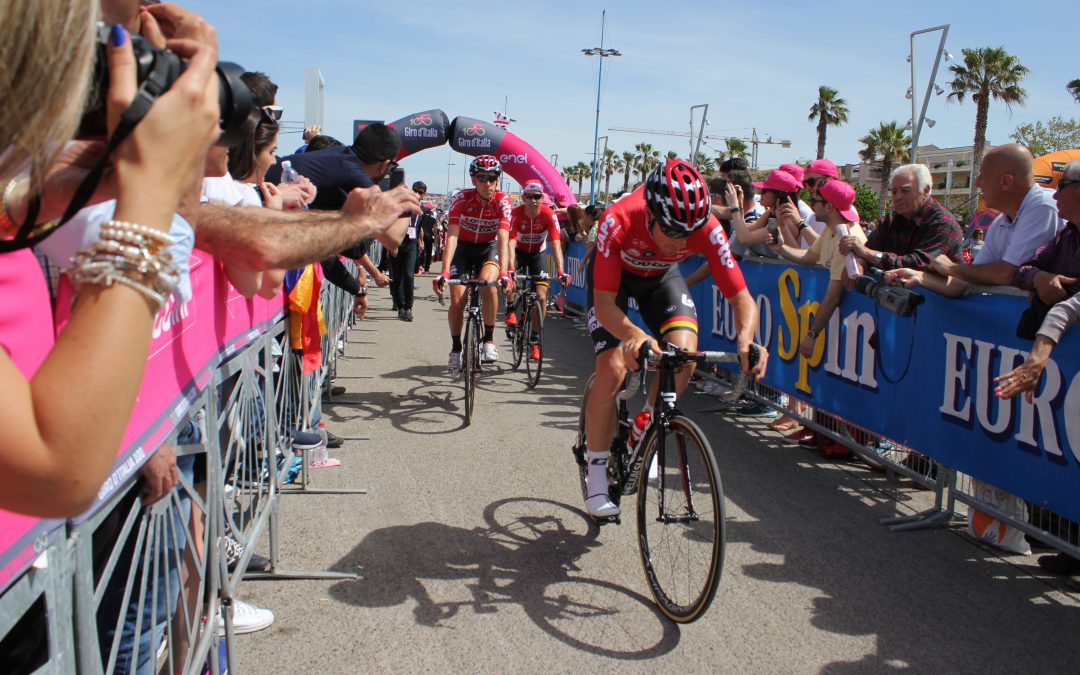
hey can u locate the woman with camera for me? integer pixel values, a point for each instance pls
(65, 403)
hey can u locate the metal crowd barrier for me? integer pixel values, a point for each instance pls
(144, 588)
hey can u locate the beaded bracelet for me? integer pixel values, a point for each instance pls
(133, 255)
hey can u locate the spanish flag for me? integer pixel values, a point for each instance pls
(306, 325)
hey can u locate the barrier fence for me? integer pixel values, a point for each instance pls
(913, 394)
(130, 587)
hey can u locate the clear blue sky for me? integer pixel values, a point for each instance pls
(756, 66)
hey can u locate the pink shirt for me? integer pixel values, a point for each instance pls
(26, 326)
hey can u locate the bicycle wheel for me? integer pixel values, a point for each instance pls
(470, 351)
(680, 513)
(533, 334)
(579, 447)
(517, 342)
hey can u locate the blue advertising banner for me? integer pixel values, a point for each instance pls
(925, 381)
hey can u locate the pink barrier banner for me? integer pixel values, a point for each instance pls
(190, 339)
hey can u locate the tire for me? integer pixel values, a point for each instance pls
(470, 349)
(534, 325)
(579, 447)
(683, 560)
(517, 343)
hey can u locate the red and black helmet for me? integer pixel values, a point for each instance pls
(485, 164)
(677, 197)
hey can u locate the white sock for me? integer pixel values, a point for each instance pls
(597, 472)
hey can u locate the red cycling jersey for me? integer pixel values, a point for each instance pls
(480, 220)
(624, 243)
(531, 233)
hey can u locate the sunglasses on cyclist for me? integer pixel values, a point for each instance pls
(486, 178)
(533, 197)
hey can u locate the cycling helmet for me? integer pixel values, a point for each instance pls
(677, 197)
(485, 164)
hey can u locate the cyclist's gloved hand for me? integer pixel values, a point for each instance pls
(439, 283)
(512, 274)
(564, 278)
(505, 282)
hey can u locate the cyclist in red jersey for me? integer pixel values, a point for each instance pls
(531, 226)
(477, 239)
(642, 238)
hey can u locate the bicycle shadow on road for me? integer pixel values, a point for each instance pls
(525, 557)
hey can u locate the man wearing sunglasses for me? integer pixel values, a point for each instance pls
(532, 226)
(477, 243)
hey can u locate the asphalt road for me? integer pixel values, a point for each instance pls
(475, 555)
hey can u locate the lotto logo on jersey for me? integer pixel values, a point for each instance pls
(717, 238)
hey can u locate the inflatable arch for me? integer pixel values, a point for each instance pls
(522, 162)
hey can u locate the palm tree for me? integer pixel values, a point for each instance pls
(571, 174)
(830, 110)
(893, 146)
(583, 171)
(647, 158)
(671, 154)
(734, 147)
(628, 159)
(704, 163)
(1074, 89)
(610, 162)
(987, 72)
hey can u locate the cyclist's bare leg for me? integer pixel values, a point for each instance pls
(686, 340)
(541, 297)
(490, 272)
(600, 427)
(455, 317)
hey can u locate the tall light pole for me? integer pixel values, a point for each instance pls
(602, 53)
(597, 166)
(917, 121)
(449, 164)
(704, 120)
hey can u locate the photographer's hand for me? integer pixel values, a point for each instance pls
(173, 21)
(904, 276)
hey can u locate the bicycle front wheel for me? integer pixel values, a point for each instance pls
(470, 351)
(534, 336)
(680, 514)
(517, 343)
(580, 447)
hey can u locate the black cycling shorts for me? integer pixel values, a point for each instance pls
(664, 303)
(531, 264)
(470, 258)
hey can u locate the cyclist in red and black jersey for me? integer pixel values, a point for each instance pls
(531, 226)
(642, 238)
(477, 239)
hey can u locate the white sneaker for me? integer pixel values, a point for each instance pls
(453, 364)
(601, 506)
(247, 618)
(491, 352)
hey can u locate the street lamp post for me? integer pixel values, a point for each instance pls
(704, 120)
(917, 122)
(602, 53)
(597, 166)
(449, 164)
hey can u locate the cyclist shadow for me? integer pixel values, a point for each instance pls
(525, 557)
(434, 405)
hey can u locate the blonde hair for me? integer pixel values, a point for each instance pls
(46, 56)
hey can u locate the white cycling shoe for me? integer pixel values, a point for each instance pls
(601, 506)
(491, 352)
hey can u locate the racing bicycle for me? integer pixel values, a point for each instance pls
(470, 339)
(673, 472)
(530, 328)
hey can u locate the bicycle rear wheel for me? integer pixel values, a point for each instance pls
(680, 513)
(470, 348)
(579, 447)
(517, 343)
(533, 334)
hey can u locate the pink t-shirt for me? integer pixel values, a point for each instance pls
(26, 326)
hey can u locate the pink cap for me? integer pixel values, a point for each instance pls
(779, 180)
(793, 169)
(532, 187)
(841, 197)
(823, 167)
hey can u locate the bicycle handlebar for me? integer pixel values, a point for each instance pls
(676, 356)
(470, 282)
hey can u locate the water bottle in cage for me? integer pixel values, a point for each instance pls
(641, 420)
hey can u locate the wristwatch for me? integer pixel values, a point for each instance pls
(802, 225)
(878, 257)
(734, 209)
(812, 334)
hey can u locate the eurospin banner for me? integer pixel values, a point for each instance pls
(928, 382)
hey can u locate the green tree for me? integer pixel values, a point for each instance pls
(987, 72)
(609, 164)
(1057, 134)
(889, 143)
(705, 164)
(582, 172)
(866, 203)
(671, 154)
(829, 111)
(1074, 88)
(735, 148)
(628, 161)
(570, 173)
(647, 158)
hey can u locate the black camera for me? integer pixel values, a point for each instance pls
(899, 301)
(162, 67)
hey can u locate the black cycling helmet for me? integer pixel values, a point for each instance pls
(485, 164)
(677, 197)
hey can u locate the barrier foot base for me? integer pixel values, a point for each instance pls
(715, 409)
(919, 521)
(286, 575)
(346, 356)
(355, 377)
(323, 491)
